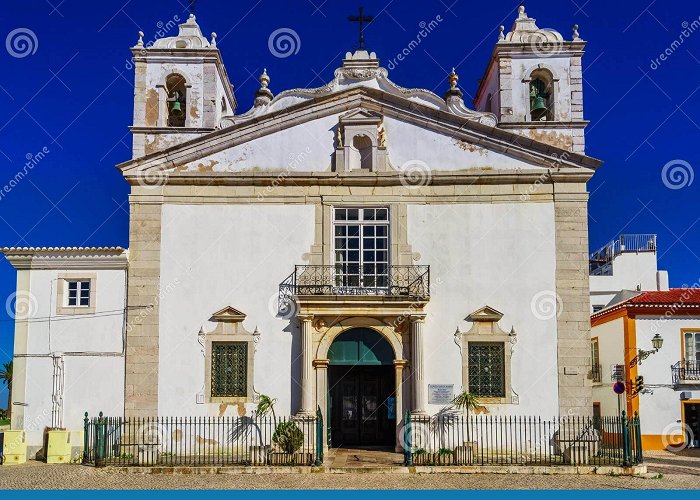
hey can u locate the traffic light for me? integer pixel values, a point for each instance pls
(639, 383)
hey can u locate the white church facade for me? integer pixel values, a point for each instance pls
(360, 248)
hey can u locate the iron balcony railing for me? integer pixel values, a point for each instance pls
(344, 279)
(597, 373)
(601, 260)
(192, 441)
(456, 439)
(685, 371)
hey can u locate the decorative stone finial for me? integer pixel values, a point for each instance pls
(453, 79)
(453, 92)
(213, 39)
(263, 96)
(192, 18)
(264, 79)
(575, 35)
(501, 35)
(140, 41)
(521, 12)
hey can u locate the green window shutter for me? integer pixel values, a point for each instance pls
(229, 369)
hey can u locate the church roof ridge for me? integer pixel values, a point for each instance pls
(359, 69)
(32, 250)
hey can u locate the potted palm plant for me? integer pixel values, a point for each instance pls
(466, 401)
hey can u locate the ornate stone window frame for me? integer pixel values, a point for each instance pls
(62, 307)
(485, 329)
(229, 328)
(360, 122)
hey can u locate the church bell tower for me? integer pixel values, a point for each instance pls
(534, 84)
(181, 89)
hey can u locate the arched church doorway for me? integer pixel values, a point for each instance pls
(361, 390)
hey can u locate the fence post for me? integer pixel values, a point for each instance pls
(639, 458)
(408, 455)
(625, 440)
(319, 437)
(86, 440)
(100, 441)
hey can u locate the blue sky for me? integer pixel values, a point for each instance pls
(70, 95)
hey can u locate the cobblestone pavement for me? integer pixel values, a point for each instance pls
(678, 471)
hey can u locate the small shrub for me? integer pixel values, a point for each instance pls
(289, 437)
(444, 451)
(420, 451)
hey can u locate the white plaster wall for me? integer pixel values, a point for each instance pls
(501, 255)
(91, 348)
(213, 256)
(309, 147)
(630, 270)
(611, 344)
(662, 409)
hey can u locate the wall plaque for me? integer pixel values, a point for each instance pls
(440, 394)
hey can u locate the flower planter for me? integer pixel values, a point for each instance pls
(298, 458)
(258, 455)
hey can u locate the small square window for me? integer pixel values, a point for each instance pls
(78, 294)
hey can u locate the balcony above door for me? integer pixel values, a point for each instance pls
(340, 287)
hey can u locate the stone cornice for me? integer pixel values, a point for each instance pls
(496, 139)
(65, 261)
(463, 177)
(548, 124)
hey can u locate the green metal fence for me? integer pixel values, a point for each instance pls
(455, 439)
(192, 441)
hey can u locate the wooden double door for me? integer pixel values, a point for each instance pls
(362, 406)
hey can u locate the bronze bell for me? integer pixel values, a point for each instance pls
(539, 107)
(176, 108)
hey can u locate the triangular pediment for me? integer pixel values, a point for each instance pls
(266, 143)
(486, 313)
(360, 116)
(228, 315)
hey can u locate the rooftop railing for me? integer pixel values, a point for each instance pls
(601, 260)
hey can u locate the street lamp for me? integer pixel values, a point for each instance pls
(657, 342)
